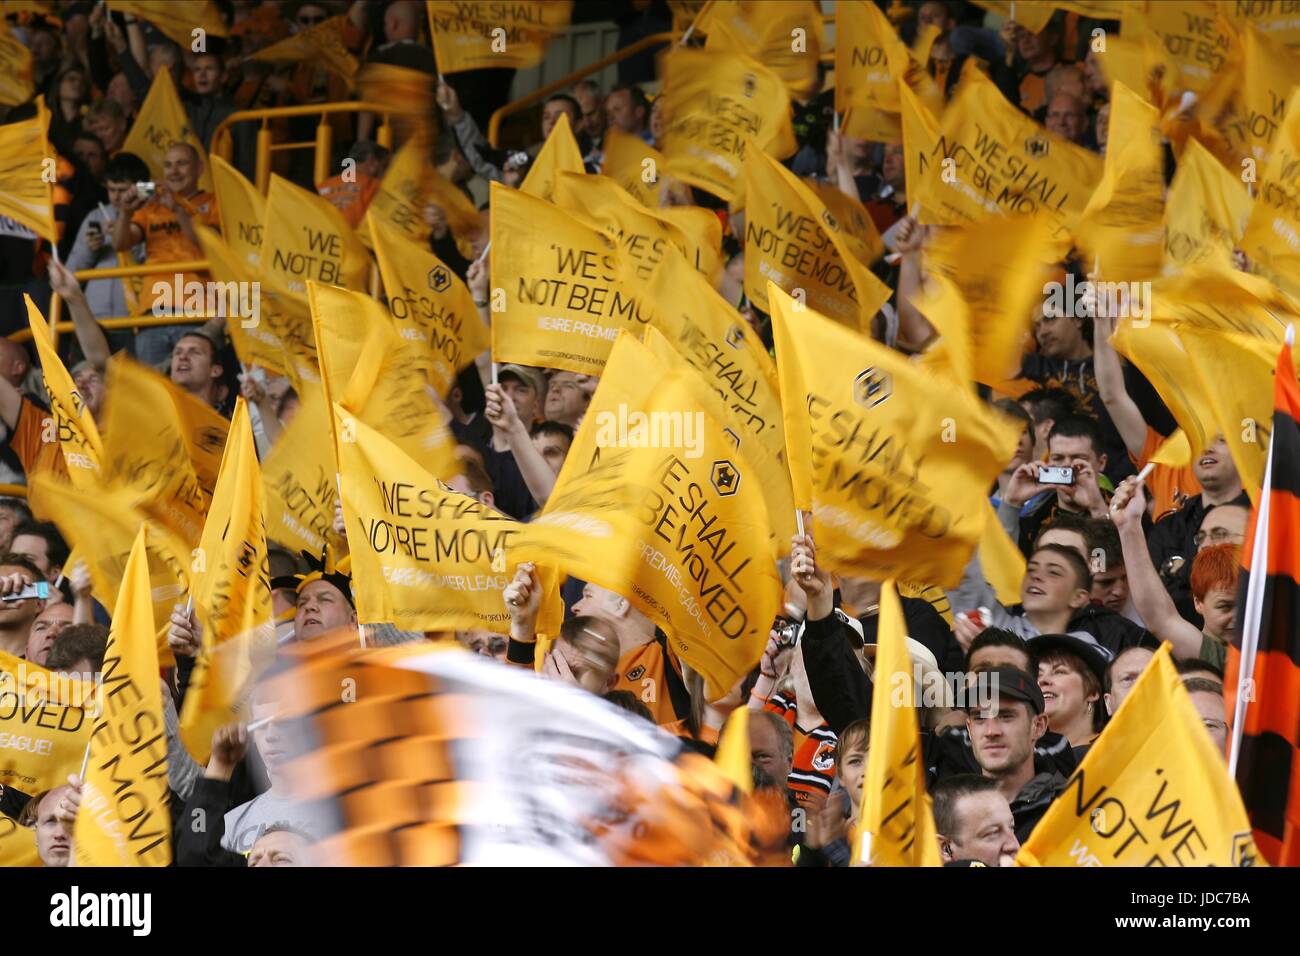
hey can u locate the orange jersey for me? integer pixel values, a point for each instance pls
(36, 455)
(1170, 487)
(165, 242)
(812, 774)
(350, 198)
(654, 675)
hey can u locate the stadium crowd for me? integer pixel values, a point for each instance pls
(1116, 564)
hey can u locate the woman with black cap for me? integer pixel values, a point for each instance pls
(1071, 675)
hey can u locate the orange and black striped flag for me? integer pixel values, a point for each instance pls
(1263, 678)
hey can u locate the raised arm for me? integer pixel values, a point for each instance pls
(1149, 595)
(537, 474)
(1114, 395)
(91, 338)
(914, 329)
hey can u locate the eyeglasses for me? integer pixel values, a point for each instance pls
(1217, 536)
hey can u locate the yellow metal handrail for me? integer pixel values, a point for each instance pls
(13, 491)
(129, 322)
(222, 145)
(524, 102)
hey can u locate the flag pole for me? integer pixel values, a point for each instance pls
(1253, 612)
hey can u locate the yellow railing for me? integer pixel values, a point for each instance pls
(122, 322)
(538, 95)
(222, 144)
(13, 491)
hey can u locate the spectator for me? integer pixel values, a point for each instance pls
(165, 224)
(628, 110)
(1123, 673)
(1046, 406)
(94, 249)
(14, 513)
(1070, 675)
(281, 845)
(1207, 698)
(107, 121)
(352, 190)
(518, 472)
(1029, 504)
(567, 398)
(552, 441)
(771, 746)
(46, 628)
(1067, 117)
(585, 654)
(208, 107)
(90, 153)
(830, 825)
(41, 544)
(17, 616)
(974, 822)
(586, 93)
(1003, 731)
(69, 96)
(53, 829)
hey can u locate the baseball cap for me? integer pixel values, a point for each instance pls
(1009, 682)
(530, 376)
(1094, 655)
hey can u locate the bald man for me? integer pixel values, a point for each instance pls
(1067, 117)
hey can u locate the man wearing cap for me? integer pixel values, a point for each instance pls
(1004, 722)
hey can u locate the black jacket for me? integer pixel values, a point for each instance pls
(840, 688)
(1173, 536)
(1112, 630)
(1034, 798)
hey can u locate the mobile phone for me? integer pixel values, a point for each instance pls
(1049, 475)
(41, 589)
(146, 190)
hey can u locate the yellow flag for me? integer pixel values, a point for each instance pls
(147, 452)
(323, 45)
(734, 757)
(784, 35)
(1174, 451)
(160, 124)
(429, 304)
(1254, 111)
(923, 150)
(1272, 238)
(124, 819)
(1001, 560)
(894, 462)
(243, 209)
(46, 721)
(26, 174)
(719, 344)
(1199, 43)
(299, 481)
(380, 377)
(1158, 353)
(74, 426)
(232, 594)
(896, 826)
(559, 154)
(403, 192)
(565, 301)
(715, 104)
(1206, 212)
(871, 62)
(15, 69)
(101, 525)
(176, 19)
(1230, 300)
(951, 355)
(425, 557)
(277, 332)
(1243, 412)
(712, 395)
(1151, 791)
(479, 34)
(634, 164)
(792, 241)
(1277, 20)
(306, 238)
(857, 231)
(643, 236)
(1003, 162)
(1033, 15)
(462, 218)
(999, 267)
(655, 503)
(1121, 227)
